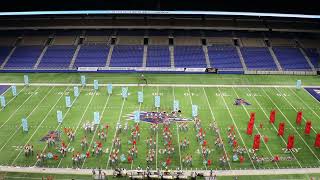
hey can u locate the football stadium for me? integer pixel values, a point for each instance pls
(159, 90)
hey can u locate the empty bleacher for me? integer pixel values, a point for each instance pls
(158, 52)
(224, 57)
(24, 57)
(189, 56)
(4, 52)
(127, 56)
(313, 55)
(57, 56)
(291, 58)
(258, 58)
(92, 56)
(128, 52)
(158, 56)
(97, 48)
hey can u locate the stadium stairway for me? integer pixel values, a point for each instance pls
(206, 55)
(274, 57)
(109, 55)
(307, 58)
(145, 54)
(8, 57)
(40, 57)
(74, 57)
(244, 66)
(171, 49)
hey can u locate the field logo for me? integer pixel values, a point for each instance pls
(157, 117)
(241, 101)
(54, 134)
(315, 92)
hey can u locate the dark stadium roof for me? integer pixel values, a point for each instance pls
(308, 7)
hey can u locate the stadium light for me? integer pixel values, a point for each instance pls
(146, 12)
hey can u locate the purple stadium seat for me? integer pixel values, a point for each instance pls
(189, 56)
(224, 57)
(291, 58)
(127, 56)
(57, 57)
(158, 56)
(92, 56)
(24, 57)
(4, 52)
(258, 58)
(314, 56)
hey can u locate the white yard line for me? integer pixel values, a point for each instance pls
(191, 105)
(17, 129)
(12, 114)
(291, 125)
(256, 127)
(64, 116)
(305, 103)
(115, 133)
(84, 113)
(36, 130)
(14, 97)
(160, 85)
(214, 120)
(127, 121)
(94, 134)
(157, 140)
(296, 110)
(274, 127)
(174, 98)
(237, 129)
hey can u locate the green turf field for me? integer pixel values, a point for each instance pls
(39, 105)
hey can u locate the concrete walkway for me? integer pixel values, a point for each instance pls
(185, 173)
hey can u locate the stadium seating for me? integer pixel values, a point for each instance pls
(158, 56)
(128, 49)
(224, 57)
(4, 52)
(313, 56)
(258, 58)
(189, 56)
(127, 56)
(291, 58)
(24, 57)
(92, 56)
(58, 56)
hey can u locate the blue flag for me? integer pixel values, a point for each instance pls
(137, 116)
(176, 105)
(109, 87)
(96, 117)
(59, 116)
(83, 80)
(124, 92)
(26, 80)
(298, 85)
(76, 91)
(194, 110)
(14, 90)
(3, 101)
(95, 84)
(25, 125)
(140, 97)
(157, 101)
(68, 102)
